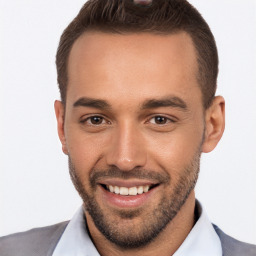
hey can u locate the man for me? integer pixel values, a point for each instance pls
(138, 107)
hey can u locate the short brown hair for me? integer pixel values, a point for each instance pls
(159, 17)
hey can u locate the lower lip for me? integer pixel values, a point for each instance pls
(118, 200)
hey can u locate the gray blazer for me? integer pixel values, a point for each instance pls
(42, 242)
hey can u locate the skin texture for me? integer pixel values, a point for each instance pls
(126, 144)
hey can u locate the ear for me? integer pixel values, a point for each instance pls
(214, 124)
(60, 114)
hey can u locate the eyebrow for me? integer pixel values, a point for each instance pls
(93, 103)
(171, 101)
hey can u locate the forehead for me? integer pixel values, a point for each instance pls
(136, 66)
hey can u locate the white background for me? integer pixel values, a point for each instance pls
(35, 189)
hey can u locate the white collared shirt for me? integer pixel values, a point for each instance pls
(202, 239)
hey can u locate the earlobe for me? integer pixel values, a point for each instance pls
(214, 124)
(60, 113)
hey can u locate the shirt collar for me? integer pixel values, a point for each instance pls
(75, 240)
(202, 239)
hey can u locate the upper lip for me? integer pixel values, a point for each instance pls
(127, 183)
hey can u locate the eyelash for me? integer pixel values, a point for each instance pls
(95, 116)
(168, 120)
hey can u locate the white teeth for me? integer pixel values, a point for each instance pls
(145, 188)
(133, 191)
(124, 191)
(140, 190)
(116, 189)
(111, 188)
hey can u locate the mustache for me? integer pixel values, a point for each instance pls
(138, 173)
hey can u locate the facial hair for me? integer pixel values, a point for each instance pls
(137, 236)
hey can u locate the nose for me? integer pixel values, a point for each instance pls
(127, 150)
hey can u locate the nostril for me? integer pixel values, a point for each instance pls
(127, 151)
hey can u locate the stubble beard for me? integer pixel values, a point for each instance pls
(137, 236)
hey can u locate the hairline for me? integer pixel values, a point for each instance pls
(103, 30)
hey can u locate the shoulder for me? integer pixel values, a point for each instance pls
(38, 241)
(233, 247)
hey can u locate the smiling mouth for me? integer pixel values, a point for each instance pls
(132, 191)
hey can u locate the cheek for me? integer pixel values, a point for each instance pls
(175, 151)
(84, 150)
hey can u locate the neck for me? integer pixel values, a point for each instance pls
(165, 244)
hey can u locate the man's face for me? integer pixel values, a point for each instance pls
(134, 126)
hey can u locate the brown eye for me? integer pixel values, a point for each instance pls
(94, 120)
(160, 120)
